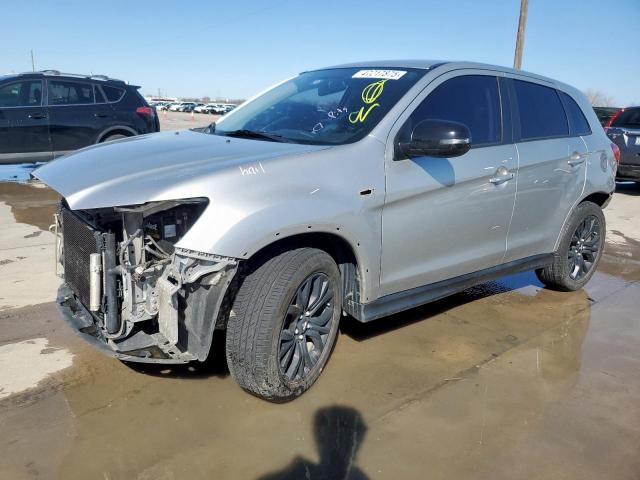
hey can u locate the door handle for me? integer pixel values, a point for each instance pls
(100, 115)
(501, 178)
(502, 175)
(38, 116)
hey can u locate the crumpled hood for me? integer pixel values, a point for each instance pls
(160, 166)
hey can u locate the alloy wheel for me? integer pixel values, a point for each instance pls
(306, 328)
(584, 247)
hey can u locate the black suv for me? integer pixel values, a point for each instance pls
(624, 131)
(44, 115)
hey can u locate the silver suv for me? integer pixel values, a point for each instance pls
(362, 190)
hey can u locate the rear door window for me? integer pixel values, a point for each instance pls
(470, 99)
(70, 93)
(21, 94)
(578, 124)
(540, 110)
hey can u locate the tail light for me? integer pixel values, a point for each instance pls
(614, 117)
(146, 111)
(616, 152)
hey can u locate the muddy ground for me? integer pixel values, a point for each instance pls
(505, 380)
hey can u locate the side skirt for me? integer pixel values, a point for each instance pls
(400, 301)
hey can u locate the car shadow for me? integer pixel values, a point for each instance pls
(363, 331)
(338, 432)
(214, 366)
(440, 169)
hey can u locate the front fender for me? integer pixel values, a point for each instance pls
(262, 227)
(340, 192)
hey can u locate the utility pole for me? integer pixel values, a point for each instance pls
(522, 23)
(33, 63)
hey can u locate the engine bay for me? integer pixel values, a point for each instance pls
(123, 265)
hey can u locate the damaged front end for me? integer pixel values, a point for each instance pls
(131, 291)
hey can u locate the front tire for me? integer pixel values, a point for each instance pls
(579, 252)
(284, 323)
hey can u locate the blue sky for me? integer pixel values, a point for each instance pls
(234, 49)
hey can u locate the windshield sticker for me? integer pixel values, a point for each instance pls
(385, 74)
(370, 94)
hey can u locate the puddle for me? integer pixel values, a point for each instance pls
(31, 203)
(20, 172)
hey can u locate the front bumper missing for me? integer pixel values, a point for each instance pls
(140, 347)
(184, 325)
(135, 302)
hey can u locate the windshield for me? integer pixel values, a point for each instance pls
(323, 107)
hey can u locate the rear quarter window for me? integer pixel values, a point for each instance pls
(113, 94)
(540, 111)
(578, 123)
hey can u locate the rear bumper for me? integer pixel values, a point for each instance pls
(628, 172)
(141, 347)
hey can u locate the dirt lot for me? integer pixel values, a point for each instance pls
(505, 380)
(178, 120)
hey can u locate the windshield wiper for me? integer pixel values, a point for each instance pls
(255, 134)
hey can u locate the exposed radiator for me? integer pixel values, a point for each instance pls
(79, 241)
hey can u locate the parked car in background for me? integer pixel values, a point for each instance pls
(221, 108)
(201, 108)
(159, 104)
(366, 188)
(605, 114)
(624, 131)
(187, 107)
(44, 115)
(209, 108)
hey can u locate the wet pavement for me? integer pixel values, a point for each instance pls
(505, 380)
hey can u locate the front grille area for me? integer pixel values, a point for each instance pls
(79, 240)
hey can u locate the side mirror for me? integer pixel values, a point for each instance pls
(437, 138)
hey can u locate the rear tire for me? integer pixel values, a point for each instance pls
(286, 309)
(110, 138)
(579, 252)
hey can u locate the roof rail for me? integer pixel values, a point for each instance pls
(75, 75)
